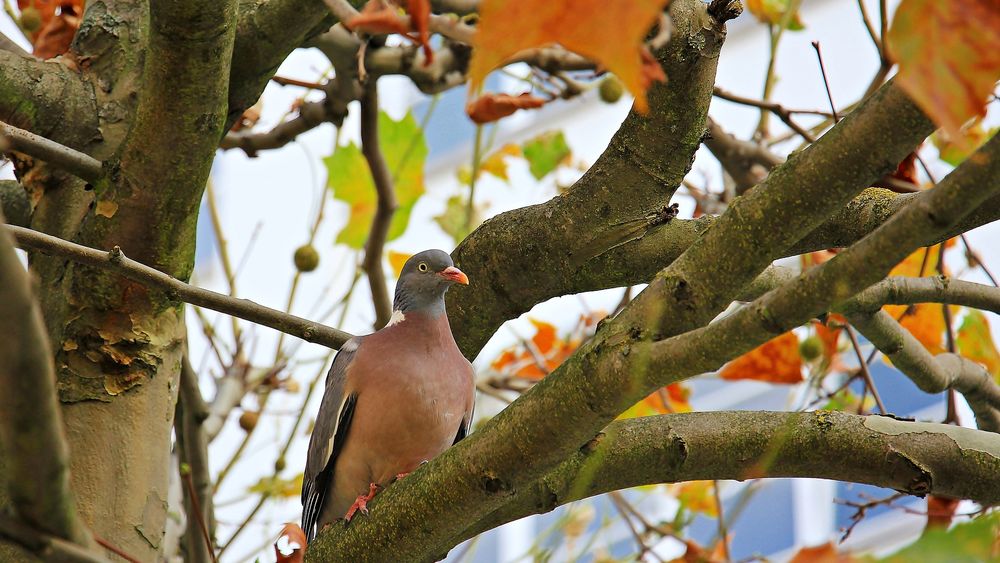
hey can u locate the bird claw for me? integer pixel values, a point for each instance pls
(361, 503)
(401, 475)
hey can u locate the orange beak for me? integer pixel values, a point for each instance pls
(454, 275)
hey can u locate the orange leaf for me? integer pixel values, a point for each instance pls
(545, 336)
(825, 553)
(290, 546)
(420, 17)
(397, 260)
(948, 56)
(491, 107)
(924, 320)
(507, 28)
(775, 361)
(377, 18)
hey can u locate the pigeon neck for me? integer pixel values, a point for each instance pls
(407, 302)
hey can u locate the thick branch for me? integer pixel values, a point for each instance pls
(31, 429)
(45, 97)
(116, 261)
(385, 209)
(933, 374)
(916, 458)
(73, 161)
(168, 153)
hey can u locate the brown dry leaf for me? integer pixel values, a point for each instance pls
(491, 107)
(948, 56)
(667, 400)
(549, 349)
(775, 361)
(507, 28)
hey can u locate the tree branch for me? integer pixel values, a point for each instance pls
(31, 428)
(907, 291)
(73, 161)
(622, 364)
(747, 162)
(916, 458)
(379, 232)
(311, 115)
(933, 374)
(192, 446)
(117, 262)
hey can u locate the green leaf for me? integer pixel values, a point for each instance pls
(453, 220)
(545, 152)
(970, 542)
(278, 487)
(403, 146)
(975, 342)
(955, 151)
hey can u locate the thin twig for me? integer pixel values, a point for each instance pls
(870, 27)
(115, 549)
(723, 533)
(293, 82)
(243, 525)
(785, 115)
(8, 44)
(199, 517)
(826, 83)
(223, 247)
(117, 262)
(979, 261)
(863, 366)
(385, 209)
(70, 160)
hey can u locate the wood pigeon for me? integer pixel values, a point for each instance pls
(394, 399)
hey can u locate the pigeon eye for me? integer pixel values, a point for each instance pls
(422, 266)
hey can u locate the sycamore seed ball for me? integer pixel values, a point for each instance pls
(248, 420)
(811, 348)
(611, 89)
(306, 258)
(31, 20)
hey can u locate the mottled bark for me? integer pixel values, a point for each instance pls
(31, 430)
(917, 458)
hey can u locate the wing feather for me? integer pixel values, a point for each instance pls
(332, 423)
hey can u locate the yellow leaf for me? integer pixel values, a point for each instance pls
(397, 260)
(697, 496)
(948, 55)
(975, 342)
(582, 26)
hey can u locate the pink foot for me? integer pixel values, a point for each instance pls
(361, 503)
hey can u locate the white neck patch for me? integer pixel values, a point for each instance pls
(397, 317)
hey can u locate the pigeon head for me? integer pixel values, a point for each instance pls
(425, 278)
